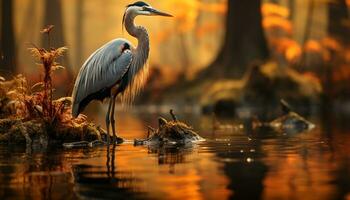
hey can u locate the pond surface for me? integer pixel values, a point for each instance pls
(228, 165)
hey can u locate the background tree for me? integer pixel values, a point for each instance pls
(53, 16)
(79, 33)
(244, 41)
(7, 41)
(339, 30)
(338, 17)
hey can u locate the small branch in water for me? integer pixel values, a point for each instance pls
(150, 129)
(285, 106)
(173, 115)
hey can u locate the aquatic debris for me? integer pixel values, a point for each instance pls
(170, 132)
(290, 122)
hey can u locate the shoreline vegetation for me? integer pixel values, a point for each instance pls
(29, 114)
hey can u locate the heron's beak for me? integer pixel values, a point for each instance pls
(159, 13)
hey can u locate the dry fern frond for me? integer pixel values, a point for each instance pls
(38, 84)
(57, 67)
(48, 29)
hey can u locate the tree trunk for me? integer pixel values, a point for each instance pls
(53, 16)
(79, 33)
(244, 41)
(337, 17)
(7, 42)
(291, 6)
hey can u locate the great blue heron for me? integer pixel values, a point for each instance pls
(115, 68)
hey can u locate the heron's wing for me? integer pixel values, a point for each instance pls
(103, 69)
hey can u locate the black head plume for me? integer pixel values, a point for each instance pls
(138, 3)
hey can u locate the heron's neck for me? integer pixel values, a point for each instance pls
(140, 33)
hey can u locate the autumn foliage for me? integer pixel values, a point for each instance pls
(326, 58)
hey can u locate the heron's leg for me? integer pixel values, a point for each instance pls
(113, 122)
(108, 119)
(113, 119)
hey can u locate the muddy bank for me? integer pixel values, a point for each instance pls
(36, 132)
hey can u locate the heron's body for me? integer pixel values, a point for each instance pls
(116, 68)
(97, 86)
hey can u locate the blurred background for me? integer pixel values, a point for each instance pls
(232, 60)
(216, 55)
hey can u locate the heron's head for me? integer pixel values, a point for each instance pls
(142, 8)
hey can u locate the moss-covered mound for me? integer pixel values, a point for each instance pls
(31, 116)
(33, 132)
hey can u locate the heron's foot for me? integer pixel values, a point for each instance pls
(118, 140)
(83, 144)
(97, 143)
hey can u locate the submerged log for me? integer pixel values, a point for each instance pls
(289, 123)
(170, 133)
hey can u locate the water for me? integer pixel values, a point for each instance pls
(228, 165)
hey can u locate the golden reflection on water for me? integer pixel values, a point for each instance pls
(175, 175)
(307, 170)
(228, 165)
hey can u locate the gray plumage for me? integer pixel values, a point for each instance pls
(115, 68)
(102, 70)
